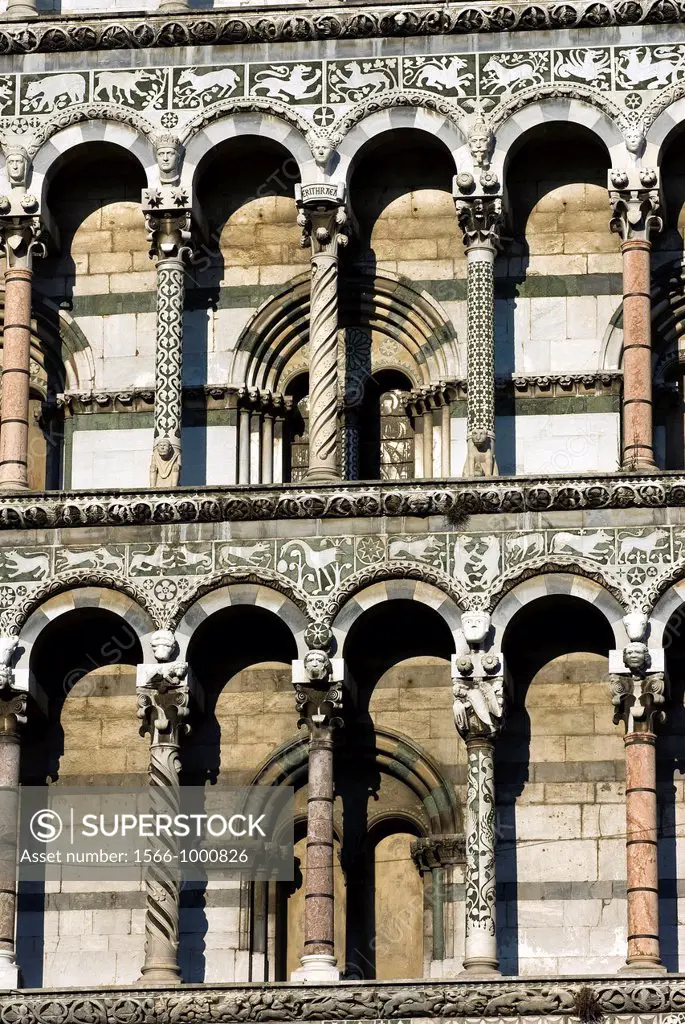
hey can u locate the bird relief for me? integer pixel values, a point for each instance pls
(586, 65)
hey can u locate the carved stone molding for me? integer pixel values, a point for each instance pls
(73, 34)
(547, 385)
(341, 501)
(347, 1001)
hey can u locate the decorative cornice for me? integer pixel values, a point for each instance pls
(546, 385)
(73, 34)
(205, 396)
(60, 509)
(229, 1004)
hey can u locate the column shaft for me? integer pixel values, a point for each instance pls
(323, 369)
(641, 851)
(161, 881)
(244, 447)
(319, 897)
(9, 811)
(268, 449)
(481, 941)
(16, 370)
(438, 913)
(480, 345)
(428, 470)
(169, 362)
(638, 446)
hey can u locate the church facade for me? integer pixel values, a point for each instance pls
(342, 448)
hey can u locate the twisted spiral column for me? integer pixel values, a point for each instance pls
(323, 369)
(161, 880)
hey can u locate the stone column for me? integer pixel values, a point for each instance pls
(318, 694)
(478, 708)
(20, 240)
(12, 716)
(635, 209)
(163, 701)
(18, 9)
(479, 212)
(638, 692)
(438, 854)
(168, 219)
(323, 220)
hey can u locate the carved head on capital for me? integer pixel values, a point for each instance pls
(636, 657)
(480, 142)
(169, 155)
(317, 666)
(322, 151)
(164, 645)
(17, 166)
(635, 139)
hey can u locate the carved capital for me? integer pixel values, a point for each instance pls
(478, 691)
(13, 702)
(635, 203)
(168, 220)
(322, 217)
(638, 686)
(163, 701)
(479, 209)
(439, 851)
(22, 235)
(318, 683)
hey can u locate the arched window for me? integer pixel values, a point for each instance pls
(386, 436)
(296, 458)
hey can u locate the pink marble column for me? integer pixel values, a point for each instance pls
(642, 880)
(16, 353)
(635, 205)
(319, 700)
(638, 444)
(319, 901)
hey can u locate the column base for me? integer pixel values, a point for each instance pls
(173, 8)
(9, 973)
(315, 968)
(21, 12)
(643, 965)
(640, 466)
(480, 966)
(160, 976)
(13, 485)
(322, 476)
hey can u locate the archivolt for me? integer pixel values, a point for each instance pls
(385, 303)
(264, 578)
(15, 618)
(543, 577)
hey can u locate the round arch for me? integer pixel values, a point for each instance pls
(664, 117)
(87, 130)
(221, 595)
(45, 607)
(671, 598)
(266, 120)
(563, 582)
(385, 303)
(366, 122)
(531, 108)
(361, 599)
